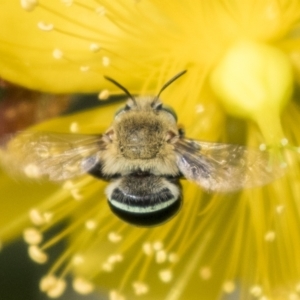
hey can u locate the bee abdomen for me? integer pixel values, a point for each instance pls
(147, 201)
(144, 201)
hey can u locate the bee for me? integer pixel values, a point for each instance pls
(143, 155)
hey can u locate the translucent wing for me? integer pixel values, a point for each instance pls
(52, 155)
(225, 167)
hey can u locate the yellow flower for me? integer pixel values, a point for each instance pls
(242, 59)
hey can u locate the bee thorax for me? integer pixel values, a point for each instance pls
(140, 136)
(140, 151)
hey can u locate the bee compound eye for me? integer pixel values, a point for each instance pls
(146, 211)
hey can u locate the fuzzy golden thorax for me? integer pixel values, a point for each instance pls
(141, 138)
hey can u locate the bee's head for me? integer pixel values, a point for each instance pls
(155, 104)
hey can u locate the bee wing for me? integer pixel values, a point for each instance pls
(225, 167)
(57, 156)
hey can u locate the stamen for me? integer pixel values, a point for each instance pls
(205, 273)
(161, 256)
(37, 255)
(76, 194)
(256, 291)
(148, 249)
(284, 141)
(229, 287)
(112, 259)
(104, 95)
(29, 5)
(74, 127)
(199, 108)
(114, 295)
(173, 258)
(270, 236)
(52, 286)
(293, 296)
(140, 288)
(84, 68)
(105, 61)
(114, 237)
(57, 54)
(47, 282)
(280, 209)
(45, 26)
(57, 290)
(69, 185)
(94, 47)
(165, 275)
(158, 245)
(107, 267)
(91, 225)
(82, 286)
(38, 218)
(78, 259)
(32, 236)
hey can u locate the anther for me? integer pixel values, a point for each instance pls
(57, 54)
(114, 237)
(104, 95)
(78, 259)
(38, 218)
(270, 236)
(94, 47)
(165, 275)
(45, 26)
(84, 68)
(82, 286)
(105, 61)
(32, 236)
(256, 291)
(228, 287)
(147, 248)
(205, 273)
(140, 288)
(173, 258)
(74, 127)
(157, 245)
(29, 5)
(90, 224)
(37, 255)
(161, 256)
(114, 295)
(56, 288)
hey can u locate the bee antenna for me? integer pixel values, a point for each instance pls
(168, 83)
(121, 87)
